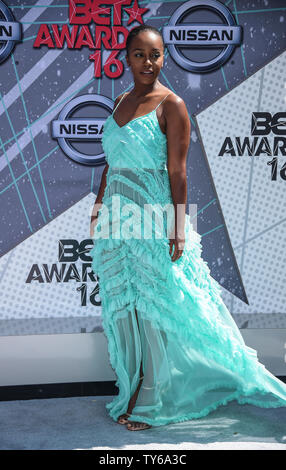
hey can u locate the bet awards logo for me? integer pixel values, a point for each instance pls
(10, 32)
(194, 35)
(79, 132)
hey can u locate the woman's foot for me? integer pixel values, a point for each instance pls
(137, 426)
(123, 419)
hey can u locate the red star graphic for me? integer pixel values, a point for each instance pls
(135, 13)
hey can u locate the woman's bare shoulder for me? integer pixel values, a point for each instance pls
(174, 102)
(176, 114)
(118, 98)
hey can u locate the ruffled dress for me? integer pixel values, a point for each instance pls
(193, 356)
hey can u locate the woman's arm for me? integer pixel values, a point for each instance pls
(98, 200)
(178, 128)
(101, 190)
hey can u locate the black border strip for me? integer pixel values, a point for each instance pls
(57, 390)
(64, 390)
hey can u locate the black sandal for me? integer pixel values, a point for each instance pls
(137, 426)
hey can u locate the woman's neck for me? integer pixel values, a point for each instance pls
(140, 90)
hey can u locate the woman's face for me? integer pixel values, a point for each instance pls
(146, 54)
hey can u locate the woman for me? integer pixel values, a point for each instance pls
(174, 346)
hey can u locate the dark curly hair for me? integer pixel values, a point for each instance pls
(138, 29)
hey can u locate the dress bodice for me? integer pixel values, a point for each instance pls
(138, 144)
(137, 176)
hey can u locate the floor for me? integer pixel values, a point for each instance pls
(83, 423)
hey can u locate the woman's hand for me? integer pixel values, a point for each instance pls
(178, 131)
(93, 224)
(179, 244)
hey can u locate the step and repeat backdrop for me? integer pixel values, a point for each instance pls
(62, 64)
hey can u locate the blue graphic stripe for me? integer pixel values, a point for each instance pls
(166, 50)
(38, 6)
(16, 186)
(224, 79)
(112, 89)
(49, 111)
(22, 156)
(32, 139)
(46, 22)
(260, 10)
(29, 38)
(159, 1)
(144, 2)
(203, 208)
(212, 230)
(63, 101)
(251, 176)
(93, 169)
(241, 46)
(92, 179)
(30, 169)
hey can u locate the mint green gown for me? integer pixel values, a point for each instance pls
(193, 355)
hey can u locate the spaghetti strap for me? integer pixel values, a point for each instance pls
(153, 109)
(119, 102)
(162, 101)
